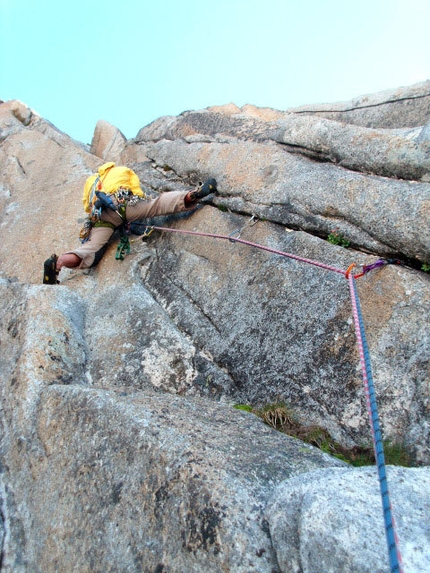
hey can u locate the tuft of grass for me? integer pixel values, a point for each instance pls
(396, 454)
(282, 418)
(277, 415)
(336, 238)
(426, 267)
(243, 407)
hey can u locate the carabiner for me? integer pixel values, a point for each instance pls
(252, 221)
(235, 232)
(145, 235)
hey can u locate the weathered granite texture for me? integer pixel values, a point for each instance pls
(120, 449)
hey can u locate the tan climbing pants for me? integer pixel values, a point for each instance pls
(167, 203)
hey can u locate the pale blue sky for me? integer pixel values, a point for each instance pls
(131, 61)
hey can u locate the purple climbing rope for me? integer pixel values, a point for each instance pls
(256, 245)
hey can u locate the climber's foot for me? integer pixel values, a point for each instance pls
(50, 272)
(210, 186)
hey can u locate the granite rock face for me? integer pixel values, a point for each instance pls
(403, 107)
(329, 520)
(120, 449)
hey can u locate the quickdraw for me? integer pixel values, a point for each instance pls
(123, 248)
(95, 211)
(148, 231)
(85, 232)
(237, 232)
(366, 268)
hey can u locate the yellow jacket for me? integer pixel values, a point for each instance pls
(111, 179)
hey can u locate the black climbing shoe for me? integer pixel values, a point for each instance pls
(50, 272)
(206, 189)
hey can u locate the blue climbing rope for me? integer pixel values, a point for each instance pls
(390, 530)
(394, 555)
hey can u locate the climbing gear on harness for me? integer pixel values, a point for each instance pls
(102, 202)
(125, 196)
(95, 210)
(85, 232)
(124, 229)
(50, 272)
(210, 186)
(123, 248)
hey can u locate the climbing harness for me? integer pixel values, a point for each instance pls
(391, 535)
(124, 197)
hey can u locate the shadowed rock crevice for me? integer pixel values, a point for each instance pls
(394, 211)
(277, 213)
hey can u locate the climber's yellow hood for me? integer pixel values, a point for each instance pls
(110, 179)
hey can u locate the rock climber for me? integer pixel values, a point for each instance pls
(113, 199)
